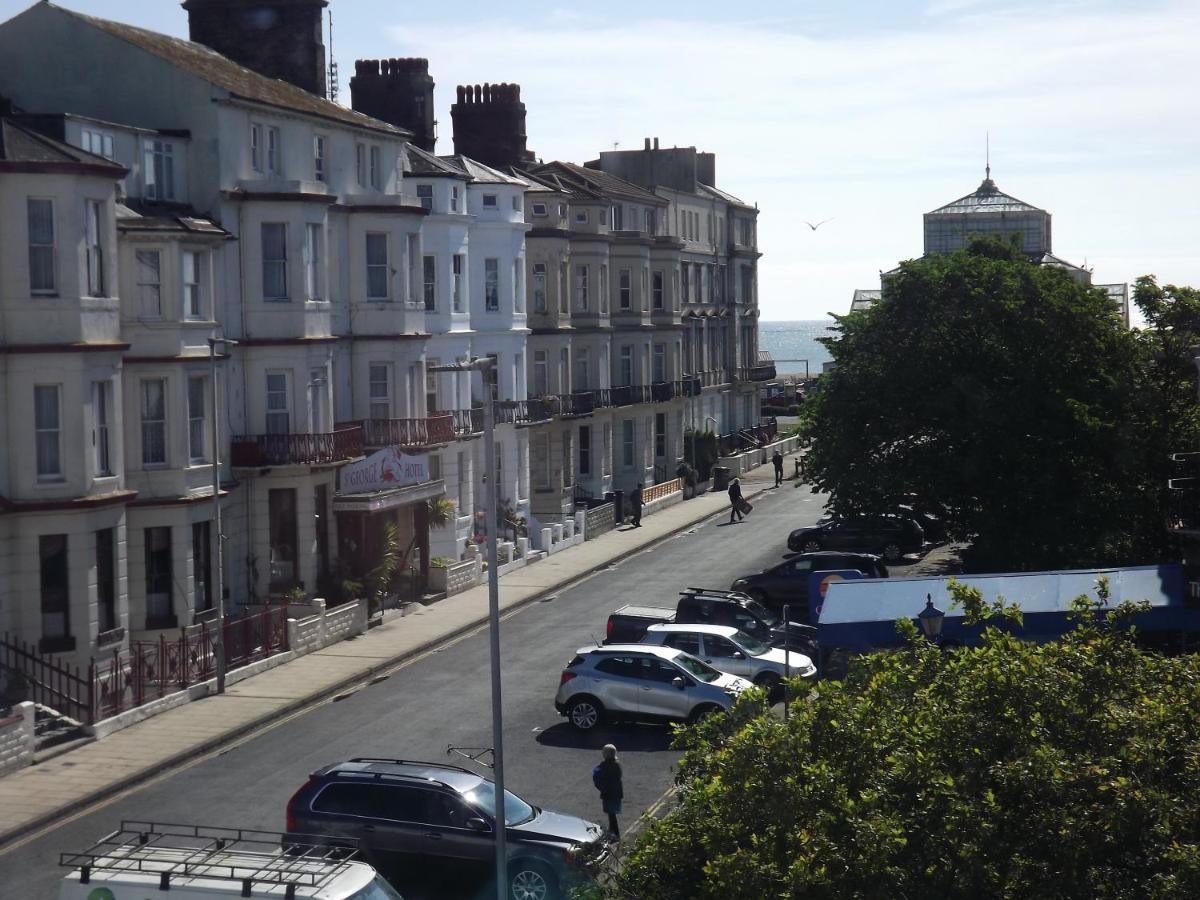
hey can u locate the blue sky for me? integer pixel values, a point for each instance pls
(870, 112)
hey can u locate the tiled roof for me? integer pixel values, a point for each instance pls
(421, 162)
(237, 80)
(985, 198)
(600, 182)
(21, 144)
(478, 172)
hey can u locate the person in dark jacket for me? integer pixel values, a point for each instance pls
(777, 460)
(607, 779)
(735, 501)
(635, 504)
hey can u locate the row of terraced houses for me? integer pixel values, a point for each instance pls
(157, 193)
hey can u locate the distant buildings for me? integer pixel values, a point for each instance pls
(988, 211)
(158, 193)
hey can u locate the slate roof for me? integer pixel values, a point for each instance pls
(21, 144)
(552, 181)
(723, 195)
(421, 162)
(239, 81)
(133, 217)
(600, 182)
(865, 299)
(985, 198)
(479, 173)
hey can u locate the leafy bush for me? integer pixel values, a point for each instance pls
(441, 562)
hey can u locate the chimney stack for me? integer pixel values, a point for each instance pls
(489, 125)
(397, 91)
(277, 38)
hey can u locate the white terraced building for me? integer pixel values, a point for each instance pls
(207, 201)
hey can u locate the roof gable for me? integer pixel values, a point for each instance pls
(985, 198)
(240, 82)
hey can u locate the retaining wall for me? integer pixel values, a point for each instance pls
(599, 520)
(16, 738)
(743, 462)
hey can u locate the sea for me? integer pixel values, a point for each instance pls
(794, 345)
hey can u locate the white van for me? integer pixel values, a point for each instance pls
(145, 860)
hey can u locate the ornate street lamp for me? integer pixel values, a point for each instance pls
(930, 619)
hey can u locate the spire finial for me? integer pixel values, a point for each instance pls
(987, 169)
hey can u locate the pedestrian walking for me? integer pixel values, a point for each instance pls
(777, 459)
(735, 501)
(635, 504)
(607, 779)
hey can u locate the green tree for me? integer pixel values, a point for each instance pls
(1007, 391)
(1010, 769)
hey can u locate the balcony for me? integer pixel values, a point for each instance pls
(629, 394)
(254, 450)
(526, 412)
(662, 391)
(580, 403)
(427, 432)
(467, 423)
(688, 386)
(762, 370)
(602, 398)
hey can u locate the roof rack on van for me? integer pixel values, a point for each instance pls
(231, 854)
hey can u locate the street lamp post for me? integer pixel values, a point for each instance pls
(218, 346)
(486, 366)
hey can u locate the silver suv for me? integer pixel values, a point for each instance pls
(724, 647)
(636, 681)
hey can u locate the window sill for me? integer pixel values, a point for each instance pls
(277, 299)
(50, 481)
(50, 295)
(112, 636)
(155, 467)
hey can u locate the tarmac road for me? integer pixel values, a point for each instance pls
(443, 699)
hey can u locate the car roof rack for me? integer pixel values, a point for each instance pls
(408, 762)
(244, 855)
(714, 592)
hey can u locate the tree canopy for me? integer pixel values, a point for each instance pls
(1012, 394)
(1009, 769)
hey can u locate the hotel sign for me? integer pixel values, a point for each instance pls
(382, 471)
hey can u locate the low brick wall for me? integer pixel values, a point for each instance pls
(326, 627)
(17, 738)
(599, 520)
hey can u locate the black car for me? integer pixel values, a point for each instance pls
(787, 582)
(406, 815)
(889, 536)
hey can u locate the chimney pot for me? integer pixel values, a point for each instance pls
(656, 143)
(647, 143)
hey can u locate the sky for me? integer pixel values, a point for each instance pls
(865, 113)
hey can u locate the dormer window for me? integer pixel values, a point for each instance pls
(98, 142)
(539, 209)
(581, 217)
(159, 170)
(490, 201)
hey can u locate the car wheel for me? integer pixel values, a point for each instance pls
(531, 880)
(892, 552)
(585, 713)
(703, 712)
(810, 546)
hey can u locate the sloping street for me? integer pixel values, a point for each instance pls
(442, 700)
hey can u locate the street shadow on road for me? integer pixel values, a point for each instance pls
(627, 736)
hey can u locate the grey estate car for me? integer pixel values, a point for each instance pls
(637, 681)
(404, 814)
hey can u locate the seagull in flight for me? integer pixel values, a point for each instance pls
(819, 224)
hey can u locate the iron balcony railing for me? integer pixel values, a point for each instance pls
(297, 449)
(688, 386)
(602, 398)
(426, 432)
(467, 422)
(1183, 493)
(526, 412)
(580, 403)
(662, 391)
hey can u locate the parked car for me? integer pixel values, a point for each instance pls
(787, 582)
(889, 536)
(709, 606)
(411, 813)
(733, 651)
(197, 862)
(636, 681)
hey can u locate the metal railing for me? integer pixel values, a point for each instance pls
(297, 449)
(435, 429)
(580, 403)
(662, 391)
(467, 422)
(45, 680)
(526, 412)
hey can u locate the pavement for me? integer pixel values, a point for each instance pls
(65, 785)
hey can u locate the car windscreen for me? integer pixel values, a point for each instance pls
(749, 643)
(762, 612)
(483, 797)
(698, 670)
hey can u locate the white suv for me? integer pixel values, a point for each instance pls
(730, 650)
(637, 681)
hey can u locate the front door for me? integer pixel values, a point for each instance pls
(722, 655)
(659, 696)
